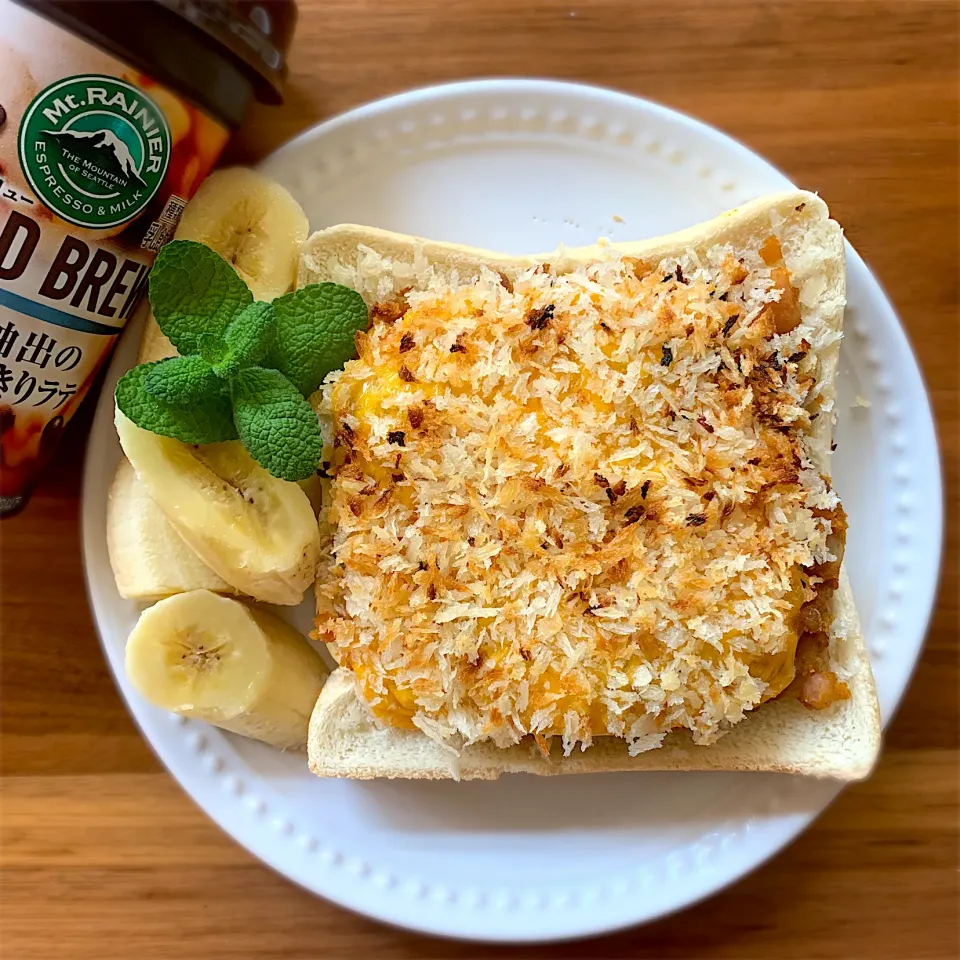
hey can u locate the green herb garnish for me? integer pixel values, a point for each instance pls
(245, 368)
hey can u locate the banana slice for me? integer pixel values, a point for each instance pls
(253, 223)
(149, 558)
(215, 659)
(257, 532)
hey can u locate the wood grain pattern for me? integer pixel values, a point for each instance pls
(103, 856)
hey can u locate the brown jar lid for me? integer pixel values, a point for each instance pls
(257, 32)
(217, 53)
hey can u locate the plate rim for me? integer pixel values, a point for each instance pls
(260, 842)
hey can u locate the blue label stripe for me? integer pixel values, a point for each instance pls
(40, 311)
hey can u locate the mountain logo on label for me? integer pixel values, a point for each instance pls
(101, 147)
(94, 149)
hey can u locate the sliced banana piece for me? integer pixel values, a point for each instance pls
(254, 224)
(216, 659)
(150, 559)
(256, 532)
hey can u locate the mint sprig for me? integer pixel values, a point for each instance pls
(245, 367)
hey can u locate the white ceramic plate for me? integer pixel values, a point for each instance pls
(521, 166)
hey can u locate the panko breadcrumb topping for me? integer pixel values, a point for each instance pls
(582, 504)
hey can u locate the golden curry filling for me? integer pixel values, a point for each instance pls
(576, 504)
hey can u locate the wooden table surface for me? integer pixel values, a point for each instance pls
(102, 854)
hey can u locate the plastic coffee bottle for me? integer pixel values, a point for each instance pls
(111, 115)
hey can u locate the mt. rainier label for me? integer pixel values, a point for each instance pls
(94, 149)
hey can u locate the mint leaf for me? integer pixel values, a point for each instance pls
(195, 294)
(315, 332)
(277, 426)
(248, 338)
(183, 381)
(209, 422)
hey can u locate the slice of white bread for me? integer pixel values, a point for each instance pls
(840, 742)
